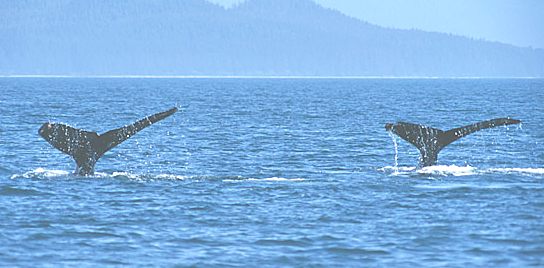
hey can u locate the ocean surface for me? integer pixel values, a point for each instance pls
(273, 172)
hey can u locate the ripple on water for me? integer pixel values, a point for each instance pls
(264, 180)
(357, 251)
(248, 179)
(13, 191)
(89, 234)
(284, 242)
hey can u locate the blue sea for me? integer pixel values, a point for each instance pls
(273, 172)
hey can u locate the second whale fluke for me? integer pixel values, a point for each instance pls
(430, 140)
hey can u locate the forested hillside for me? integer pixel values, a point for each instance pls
(258, 37)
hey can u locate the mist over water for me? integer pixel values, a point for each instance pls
(273, 172)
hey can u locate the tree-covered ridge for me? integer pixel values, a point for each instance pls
(258, 37)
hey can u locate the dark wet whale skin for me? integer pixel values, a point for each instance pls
(430, 141)
(86, 147)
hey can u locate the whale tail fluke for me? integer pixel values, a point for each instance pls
(418, 135)
(65, 138)
(430, 140)
(86, 147)
(114, 137)
(424, 138)
(457, 133)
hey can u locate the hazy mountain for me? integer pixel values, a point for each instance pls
(258, 37)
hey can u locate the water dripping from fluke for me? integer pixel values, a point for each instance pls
(396, 166)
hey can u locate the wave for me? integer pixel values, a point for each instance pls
(15, 191)
(453, 170)
(460, 186)
(41, 173)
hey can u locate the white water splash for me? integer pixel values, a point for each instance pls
(398, 169)
(133, 176)
(41, 173)
(453, 170)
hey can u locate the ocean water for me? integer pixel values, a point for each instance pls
(273, 172)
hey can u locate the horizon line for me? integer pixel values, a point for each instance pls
(263, 77)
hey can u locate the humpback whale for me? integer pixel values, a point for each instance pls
(86, 147)
(430, 140)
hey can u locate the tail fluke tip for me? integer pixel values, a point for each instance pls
(388, 126)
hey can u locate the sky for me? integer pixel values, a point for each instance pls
(517, 22)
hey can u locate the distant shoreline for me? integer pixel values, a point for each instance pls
(254, 77)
